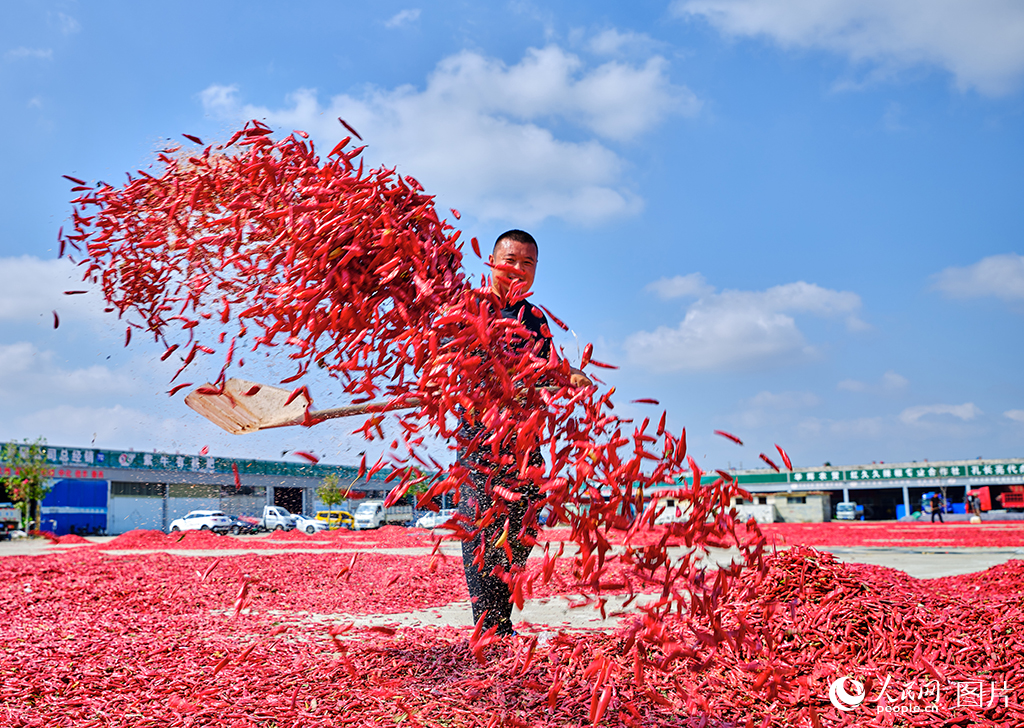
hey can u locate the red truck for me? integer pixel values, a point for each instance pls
(1011, 500)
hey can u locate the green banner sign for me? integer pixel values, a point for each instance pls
(914, 471)
(91, 462)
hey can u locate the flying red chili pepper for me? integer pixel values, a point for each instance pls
(785, 457)
(770, 463)
(729, 436)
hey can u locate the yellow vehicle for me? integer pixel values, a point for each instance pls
(336, 519)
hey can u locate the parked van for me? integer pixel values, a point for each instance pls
(849, 511)
(373, 514)
(276, 518)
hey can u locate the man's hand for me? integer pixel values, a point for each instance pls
(578, 379)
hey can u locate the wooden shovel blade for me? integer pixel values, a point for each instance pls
(244, 407)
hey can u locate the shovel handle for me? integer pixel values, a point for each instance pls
(352, 410)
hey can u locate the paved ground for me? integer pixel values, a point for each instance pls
(919, 562)
(541, 616)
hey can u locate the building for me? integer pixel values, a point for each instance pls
(886, 490)
(114, 491)
(790, 507)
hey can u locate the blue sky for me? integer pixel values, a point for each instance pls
(798, 221)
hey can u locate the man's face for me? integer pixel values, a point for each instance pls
(520, 263)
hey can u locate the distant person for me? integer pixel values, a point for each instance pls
(937, 507)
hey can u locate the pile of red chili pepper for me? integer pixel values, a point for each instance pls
(990, 534)
(261, 243)
(276, 640)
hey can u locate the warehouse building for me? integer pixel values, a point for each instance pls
(113, 491)
(887, 490)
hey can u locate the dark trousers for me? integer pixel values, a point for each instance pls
(488, 592)
(937, 512)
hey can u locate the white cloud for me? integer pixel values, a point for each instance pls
(43, 54)
(772, 409)
(403, 17)
(477, 135)
(611, 42)
(692, 284)
(965, 412)
(117, 426)
(33, 288)
(1015, 415)
(1001, 276)
(890, 382)
(67, 24)
(980, 42)
(741, 329)
(30, 373)
(860, 427)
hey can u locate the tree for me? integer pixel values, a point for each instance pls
(29, 482)
(331, 492)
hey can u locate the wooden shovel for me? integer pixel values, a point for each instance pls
(244, 407)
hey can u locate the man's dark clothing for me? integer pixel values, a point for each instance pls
(487, 591)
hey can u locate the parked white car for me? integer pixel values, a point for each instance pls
(308, 525)
(202, 521)
(436, 520)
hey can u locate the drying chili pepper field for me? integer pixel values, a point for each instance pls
(259, 247)
(246, 639)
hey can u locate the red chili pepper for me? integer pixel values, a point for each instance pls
(729, 436)
(353, 131)
(785, 457)
(770, 463)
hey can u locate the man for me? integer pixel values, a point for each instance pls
(513, 267)
(937, 507)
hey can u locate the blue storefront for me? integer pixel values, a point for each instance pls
(75, 506)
